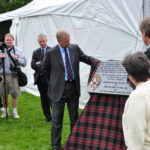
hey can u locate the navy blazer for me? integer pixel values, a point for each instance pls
(35, 58)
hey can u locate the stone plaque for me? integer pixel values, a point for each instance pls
(110, 78)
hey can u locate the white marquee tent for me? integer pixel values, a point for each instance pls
(104, 29)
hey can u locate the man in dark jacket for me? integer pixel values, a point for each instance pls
(145, 30)
(42, 79)
(64, 87)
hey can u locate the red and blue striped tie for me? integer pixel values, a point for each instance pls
(42, 53)
(68, 65)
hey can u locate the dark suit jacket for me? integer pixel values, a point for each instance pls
(37, 57)
(147, 53)
(53, 62)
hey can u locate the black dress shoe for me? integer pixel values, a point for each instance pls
(47, 120)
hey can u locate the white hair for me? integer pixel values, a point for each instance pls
(42, 36)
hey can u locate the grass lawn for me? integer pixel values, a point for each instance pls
(30, 132)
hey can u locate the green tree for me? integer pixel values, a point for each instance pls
(9, 5)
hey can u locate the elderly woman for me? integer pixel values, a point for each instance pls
(136, 116)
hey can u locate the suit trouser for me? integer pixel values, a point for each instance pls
(42, 85)
(70, 97)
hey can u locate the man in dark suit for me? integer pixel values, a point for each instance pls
(145, 30)
(42, 79)
(64, 86)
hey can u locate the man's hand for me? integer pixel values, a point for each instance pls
(38, 63)
(15, 57)
(2, 55)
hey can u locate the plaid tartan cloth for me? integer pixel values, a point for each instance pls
(100, 125)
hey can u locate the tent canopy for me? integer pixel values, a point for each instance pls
(104, 29)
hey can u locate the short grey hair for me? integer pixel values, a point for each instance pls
(42, 36)
(145, 26)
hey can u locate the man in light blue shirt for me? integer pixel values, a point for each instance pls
(64, 62)
(40, 79)
(11, 83)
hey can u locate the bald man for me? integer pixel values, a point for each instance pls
(64, 87)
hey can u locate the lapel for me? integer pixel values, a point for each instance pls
(39, 53)
(59, 56)
(48, 48)
(148, 50)
(72, 55)
(71, 52)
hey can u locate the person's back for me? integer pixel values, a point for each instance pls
(136, 116)
(143, 90)
(139, 104)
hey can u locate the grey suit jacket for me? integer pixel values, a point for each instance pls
(53, 62)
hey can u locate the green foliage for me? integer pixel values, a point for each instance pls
(9, 6)
(30, 132)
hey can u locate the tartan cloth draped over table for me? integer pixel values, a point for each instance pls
(100, 125)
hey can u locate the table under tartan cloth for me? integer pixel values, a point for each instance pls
(100, 124)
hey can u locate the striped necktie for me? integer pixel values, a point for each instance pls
(42, 53)
(68, 65)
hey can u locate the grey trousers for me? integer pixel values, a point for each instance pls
(70, 97)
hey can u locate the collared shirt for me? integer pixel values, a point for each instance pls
(21, 61)
(64, 61)
(148, 46)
